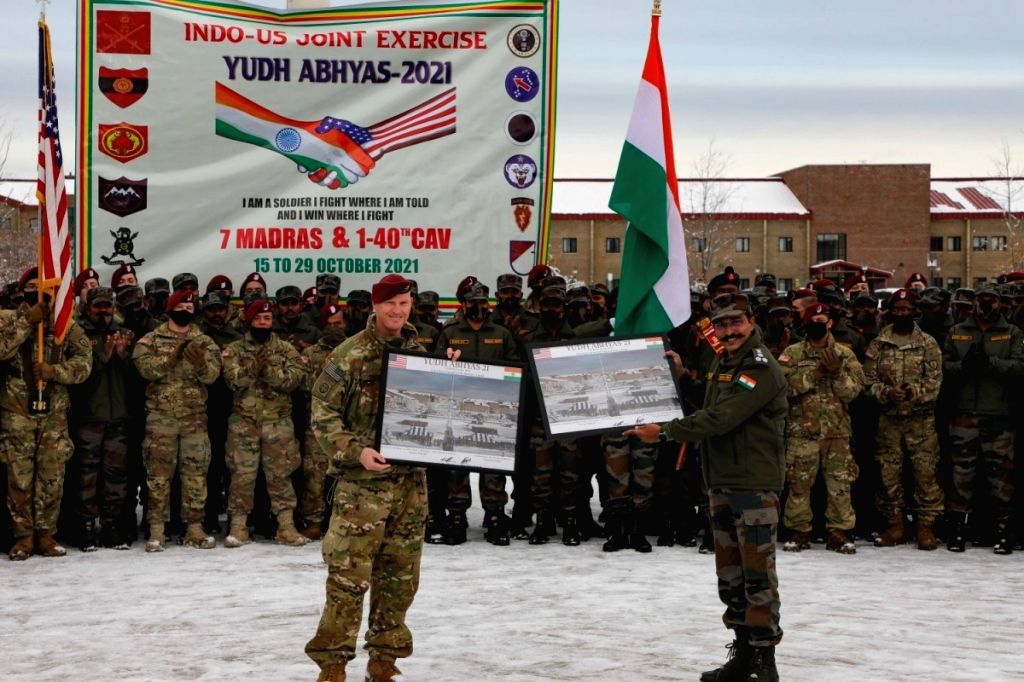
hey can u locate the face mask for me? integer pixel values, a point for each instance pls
(31, 297)
(509, 306)
(476, 312)
(816, 331)
(551, 318)
(182, 318)
(902, 324)
(333, 335)
(836, 313)
(577, 315)
(159, 302)
(102, 320)
(259, 334)
(988, 309)
(356, 316)
(597, 311)
(214, 321)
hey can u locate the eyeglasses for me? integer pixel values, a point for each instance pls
(730, 323)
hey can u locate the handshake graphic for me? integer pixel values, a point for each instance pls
(332, 152)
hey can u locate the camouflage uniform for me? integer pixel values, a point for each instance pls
(176, 421)
(376, 533)
(260, 430)
(629, 468)
(917, 364)
(818, 433)
(36, 447)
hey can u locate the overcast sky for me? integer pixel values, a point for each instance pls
(775, 84)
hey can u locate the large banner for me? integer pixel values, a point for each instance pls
(404, 137)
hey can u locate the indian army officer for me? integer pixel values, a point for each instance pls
(375, 539)
(262, 370)
(179, 362)
(823, 379)
(475, 337)
(36, 445)
(903, 372)
(289, 323)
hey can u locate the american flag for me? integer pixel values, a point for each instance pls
(541, 353)
(397, 361)
(428, 120)
(55, 246)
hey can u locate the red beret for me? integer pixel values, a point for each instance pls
(388, 287)
(465, 284)
(816, 309)
(822, 283)
(120, 272)
(914, 277)
(219, 283)
(854, 279)
(1014, 276)
(254, 277)
(257, 307)
(83, 277)
(181, 296)
(538, 273)
(803, 293)
(31, 273)
(329, 311)
(309, 293)
(901, 295)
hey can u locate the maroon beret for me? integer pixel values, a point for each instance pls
(901, 295)
(803, 293)
(390, 286)
(31, 273)
(257, 307)
(915, 277)
(464, 286)
(219, 283)
(816, 309)
(854, 279)
(309, 293)
(329, 311)
(83, 277)
(538, 273)
(120, 272)
(254, 277)
(181, 296)
(822, 283)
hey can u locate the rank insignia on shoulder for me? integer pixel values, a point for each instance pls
(748, 382)
(759, 356)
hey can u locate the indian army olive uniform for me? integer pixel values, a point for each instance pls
(740, 428)
(490, 342)
(818, 437)
(314, 459)
(99, 411)
(176, 436)
(301, 332)
(375, 538)
(36, 448)
(261, 433)
(987, 366)
(913, 363)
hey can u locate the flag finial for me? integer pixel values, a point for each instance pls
(655, 11)
(42, 8)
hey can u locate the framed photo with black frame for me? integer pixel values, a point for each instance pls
(463, 414)
(603, 385)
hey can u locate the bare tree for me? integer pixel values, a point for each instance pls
(1009, 190)
(707, 227)
(19, 246)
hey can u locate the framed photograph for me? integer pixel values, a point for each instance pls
(591, 386)
(435, 412)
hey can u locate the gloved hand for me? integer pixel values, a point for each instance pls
(830, 362)
(37, 313)
(195, 354)
(43, 371)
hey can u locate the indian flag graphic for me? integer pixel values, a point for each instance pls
(513, 374)
(654, 342)
(747, 382)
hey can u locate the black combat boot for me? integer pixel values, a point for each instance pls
(589, 528)
(762, 665)
(497, 529)
(637, 539)
(434, 534)
(88, 539)
(455, 529)
(957, 540)
(1003, 537)
(707, 542)
(571, 536)
(520, 522)
(544, 529)
(738, 663)
(667, 536)
(618, 534)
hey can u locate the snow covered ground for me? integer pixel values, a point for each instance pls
(517, 613)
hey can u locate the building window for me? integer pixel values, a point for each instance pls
(742, 244)
(953, 283)
(612, 245)
(744, 283)
(937, 282)
(979, 282)
(831, 247)
(699, 244)
(785, 284)
(979, 244)
(785, 244)
(33, 224)
(953, 244)
(936, 244)
(5, 223)
(568, 244)
(998, 243)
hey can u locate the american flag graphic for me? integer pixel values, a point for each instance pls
(397, 362)
(55, 247)
(541, 353)
(426, 121)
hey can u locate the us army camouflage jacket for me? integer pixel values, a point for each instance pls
(345, 396)
(993, 389)
(315, 357)
(72, 363)
(176, 388)
(263, 395)
(917, 365)
(818, 405)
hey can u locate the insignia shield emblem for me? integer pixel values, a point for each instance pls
(122, 196)
(124, 87)
(123, 141)
(521, 256)
(120, 32)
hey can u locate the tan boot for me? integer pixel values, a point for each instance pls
(893, 535)
(335, 672)
(312, 531)
(197, 538)
(47, 546)
(926, 539)
(238, 534)
(838, 541)
(23, 548)
(156, 542)
(286, 533)
(380, 670)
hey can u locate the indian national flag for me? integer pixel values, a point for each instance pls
(654, 287)
(513, 374)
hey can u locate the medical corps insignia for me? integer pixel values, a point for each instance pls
(124, 87)
(123, 141)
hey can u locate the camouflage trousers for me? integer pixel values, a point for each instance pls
(917, 433)
(102, 452)
(252, 445)
(314, 472)
(629, 467)
(374, 543)
(991, 438)
(176, 443)
(36, 450)
(804, 457)
(493, 497)
(745, 527)
(547, 456)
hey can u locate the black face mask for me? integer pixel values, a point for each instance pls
(182, 318)
(333, 335)
(356, 316)
(596, 311)
(551, 318)
(902, 324)
(476, 313)
(577, 315)
(816, 331)
(259, 334)
(988, 309)
(836, 313)
(102, 320)
(510, 306)
(31, 297)
(159, 302)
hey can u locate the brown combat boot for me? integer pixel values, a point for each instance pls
(797, 542)
(197, 538)
(156, 542)
(926, 539)
(47, 546)
(313, 531)
(22, 549)
(381, 670)
(839, 542)
(893, 535)
(334, 672)
(238, 534)
(286, 533)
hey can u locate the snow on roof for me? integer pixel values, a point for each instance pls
(975, 197)
(757, 198)
(25, 192)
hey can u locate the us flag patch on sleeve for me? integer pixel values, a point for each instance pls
(748, 382)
